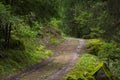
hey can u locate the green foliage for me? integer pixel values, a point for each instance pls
(15, 60)
(84, 66)
(91, 19)
(87, 68)
(5, 16)
(102, 49)
(113, 7)
(105, 51)
(85, 19)
(54, 41)
(116, 68)
(21, 23)
(55, 23)
(109, 50)
(94, 45)
(24, 47)
(42, 53)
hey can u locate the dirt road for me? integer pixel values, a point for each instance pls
(55, 68)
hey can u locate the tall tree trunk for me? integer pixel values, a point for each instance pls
(7, 35)
(8, 28)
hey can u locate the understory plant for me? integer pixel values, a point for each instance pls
(108, 52)
(23, 51)
(84, 66)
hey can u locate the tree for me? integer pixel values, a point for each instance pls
(29, 10)
(84, 18)
(113, 11)
(5, 24)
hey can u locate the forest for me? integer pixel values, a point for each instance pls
(28, 27)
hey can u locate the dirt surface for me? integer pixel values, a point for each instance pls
(64, 58)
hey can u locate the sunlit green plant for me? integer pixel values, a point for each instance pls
(84, 66)
(93, 45)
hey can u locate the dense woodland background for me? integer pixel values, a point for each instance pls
(26, 24)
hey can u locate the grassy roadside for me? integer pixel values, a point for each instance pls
(84, 66)
(98, 51)
(16, 60)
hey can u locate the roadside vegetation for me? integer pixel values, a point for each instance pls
(108, 52)
(89, 65)
(84, 66)
(25, 31)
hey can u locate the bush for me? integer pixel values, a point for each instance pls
(54, 41)
(84, 66)
(109, 50)
(24, 50)
(41, 53)
(93, 46)
(112, 52)
(103, 49)
(106, 51)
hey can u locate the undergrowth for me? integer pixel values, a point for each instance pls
(84, 66)
(24, 50)
(108, 52)
(98, 51)
(16, 60)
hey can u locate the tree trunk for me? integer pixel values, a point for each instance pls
(7, 35)
(8, 28)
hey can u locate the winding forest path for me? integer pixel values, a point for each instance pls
(55, 68)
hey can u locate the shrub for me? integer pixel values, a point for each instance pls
(42, 53)
(24, 50)
(93, 45)
(103, 49)
(84, 66)
(108, 50)
(54, 41)
(112, 52)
